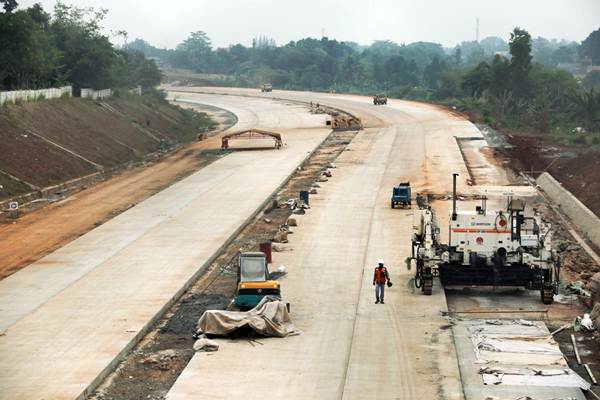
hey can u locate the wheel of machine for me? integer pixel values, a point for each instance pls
(392, 204)
(427, 287)
(547, 295)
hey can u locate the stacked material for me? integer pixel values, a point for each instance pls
(520, 353)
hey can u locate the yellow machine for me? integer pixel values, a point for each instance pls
(254, 281)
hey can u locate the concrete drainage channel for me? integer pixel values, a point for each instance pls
(152, 367)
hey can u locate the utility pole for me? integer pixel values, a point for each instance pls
(477, 30)
(322, 33)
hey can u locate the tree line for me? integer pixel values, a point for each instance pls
(514, 83)
(40, 49)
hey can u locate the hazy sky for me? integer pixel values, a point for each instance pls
(167, 23)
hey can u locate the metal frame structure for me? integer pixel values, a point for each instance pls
(253, 134)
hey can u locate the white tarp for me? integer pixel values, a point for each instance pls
(269, 318)
(556, 377)
(515, 343)
(521, 353)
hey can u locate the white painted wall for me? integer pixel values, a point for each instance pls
(95, 94)
(32, 95)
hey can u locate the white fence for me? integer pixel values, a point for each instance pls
(95, 94)
(137, 90)
(32, 95)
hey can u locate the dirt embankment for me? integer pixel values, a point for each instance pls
(41, 230)
(576, 169)
(49, 142)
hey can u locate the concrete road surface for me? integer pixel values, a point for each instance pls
(66, 318)
(350, 347)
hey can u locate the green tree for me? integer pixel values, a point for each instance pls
(433, 72)
(592, 81)
(9, 5)
(586, 109)
(28, 57)
(500, 76)
(478, 80)
(87, 54)
(590, 47)
(520, 63)
(198, 50)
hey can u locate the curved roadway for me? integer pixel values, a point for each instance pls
(351, 348)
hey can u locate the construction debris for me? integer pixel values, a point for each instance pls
(279, 247)
(589, 371)
(575, 349)
(281, 237)
(577, 288)
(205, 344)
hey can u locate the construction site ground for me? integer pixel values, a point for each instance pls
(46, 226)
(349, 347)
(161, 356)
(146, 256)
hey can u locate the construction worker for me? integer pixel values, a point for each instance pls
(380, 278)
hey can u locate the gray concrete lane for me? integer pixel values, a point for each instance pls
(66, 317)
(351, 348)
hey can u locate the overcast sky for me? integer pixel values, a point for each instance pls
(167, 23)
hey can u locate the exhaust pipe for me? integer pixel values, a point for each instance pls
(454, 175)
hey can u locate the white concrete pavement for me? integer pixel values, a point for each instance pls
(351, 348)
(66, 318)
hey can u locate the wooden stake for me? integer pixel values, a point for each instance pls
(589, 371)
(575, 349)
(560, 329)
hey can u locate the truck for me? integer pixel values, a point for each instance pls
(266, 87)
(401, 195)
(254, 280)
(379, 99)
(502, 247)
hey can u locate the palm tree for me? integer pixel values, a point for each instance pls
(586, 108)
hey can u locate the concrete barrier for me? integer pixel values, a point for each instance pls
(95, 94)
(585, 220)
(32, 95)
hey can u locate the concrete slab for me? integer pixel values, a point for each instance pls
(351, 348)
(473, 381)
(67, 317)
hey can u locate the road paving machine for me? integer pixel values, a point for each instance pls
(486, 247)
(254, 280)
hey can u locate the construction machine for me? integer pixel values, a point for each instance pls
(379, 99)
(485, 247)
(254, 280)
(401, 195)
(266, 87)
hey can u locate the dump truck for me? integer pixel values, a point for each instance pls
(501, 247)
(254, 280)
(401, 195)
(266, 87)
(379, 99)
